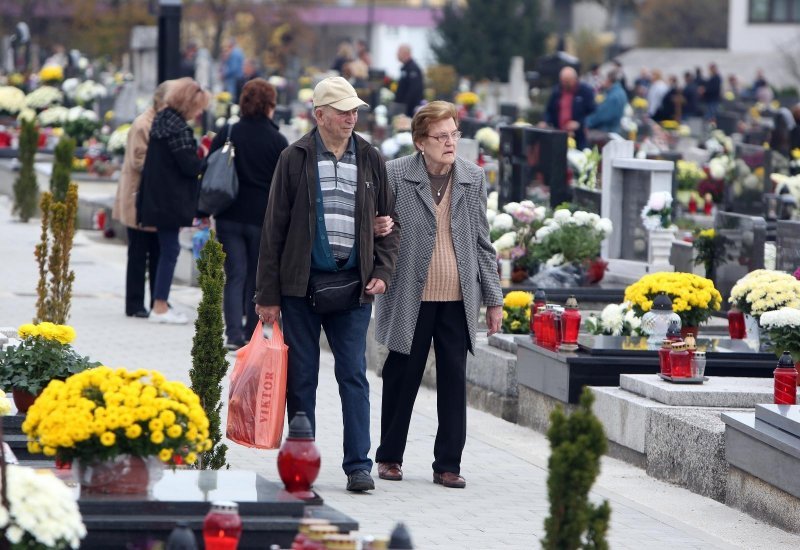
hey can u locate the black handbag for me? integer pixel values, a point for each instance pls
(220, 183)
(333, 291)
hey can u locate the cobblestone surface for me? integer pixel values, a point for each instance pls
(505, 502)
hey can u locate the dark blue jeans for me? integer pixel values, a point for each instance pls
(240, 242)
(347, 335)
(169, 248)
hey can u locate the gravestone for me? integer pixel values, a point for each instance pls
(788, 246)
(682, 257)
(627, 186)
(533, 165)
(742, 249)
(750, 201)
(587, 199)
(728, 122)
(469, 126)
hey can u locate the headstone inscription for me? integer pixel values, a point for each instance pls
(742, 250)
(788, 246)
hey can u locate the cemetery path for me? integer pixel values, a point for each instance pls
(505, 502)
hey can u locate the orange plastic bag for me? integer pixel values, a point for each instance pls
(257, 398)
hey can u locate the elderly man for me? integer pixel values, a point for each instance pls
(327, 190)
(569, 105)
(609, 113)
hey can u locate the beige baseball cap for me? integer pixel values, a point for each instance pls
(336, 92)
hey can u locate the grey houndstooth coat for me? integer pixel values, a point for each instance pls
(397, 310)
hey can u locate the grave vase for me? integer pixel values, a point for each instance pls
(659, 246)
(120, 475)
(752, 332)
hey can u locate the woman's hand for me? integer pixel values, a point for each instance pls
(383, 225)
(494, 319)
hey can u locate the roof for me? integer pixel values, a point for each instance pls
(359, 15)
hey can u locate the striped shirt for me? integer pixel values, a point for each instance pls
(338, 179)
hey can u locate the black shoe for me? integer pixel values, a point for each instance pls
(360, 480)
(141, 314)
(233, 346)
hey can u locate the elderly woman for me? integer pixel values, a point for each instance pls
(446, 265)
(169, 191)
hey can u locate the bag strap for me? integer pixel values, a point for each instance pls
(228, 134)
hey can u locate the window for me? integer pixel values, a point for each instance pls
(774, 11)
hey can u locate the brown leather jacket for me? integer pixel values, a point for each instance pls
(289, 230)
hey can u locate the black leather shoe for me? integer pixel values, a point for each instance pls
(141, 314)
(360, 480)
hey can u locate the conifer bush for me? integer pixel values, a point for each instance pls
(209, 365)
(53, 252)
(577, 442)
(62, 168)
(26, 189)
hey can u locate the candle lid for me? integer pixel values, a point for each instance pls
(572, 302)
(700, 355)
(224, 506)
(662, 302)
(690, 342)
(666, 343)
(679, 345)
(786, 360)
(300, 427)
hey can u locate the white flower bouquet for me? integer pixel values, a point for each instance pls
(12, 100)
(399, 145)
(118, 139)
(88, 91)
(575, 236)
(44, 97)
(615, 320)
(783, 326)
(42, 511)
(585, 165)
(81, 124)
(658, 211)
(765, 290)
(787, 184)
(53, 117)
(489, 139)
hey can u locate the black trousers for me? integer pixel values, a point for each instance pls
(445, 324)
(143, 252)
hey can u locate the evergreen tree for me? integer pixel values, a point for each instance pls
(26, 189)
(480, 38)
(577, 442)
(53, 256)
(209, 365)
(62, 168)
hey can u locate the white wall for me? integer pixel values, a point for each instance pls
(757, 37)
(386, 39)
(589, 16)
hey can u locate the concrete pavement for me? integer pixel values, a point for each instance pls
(505, 502)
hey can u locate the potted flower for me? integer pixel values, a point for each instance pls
(694, 298)
(571, 239)
(527, 218)
(44, 354)
(122, 427)
(657, 219)
(708, 247)
(517, 312)
(42, 511)
(761, 291)
(783, 326)
(615, 320)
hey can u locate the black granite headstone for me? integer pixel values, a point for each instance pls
(788, 246)
(590, 200)
(743, 239)
(636, 186)
(533, 163)
(750, 201)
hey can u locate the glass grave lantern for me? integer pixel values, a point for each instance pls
(222, 526)
(785, 381)
(570, 325)
(656, 321)
(299, 458)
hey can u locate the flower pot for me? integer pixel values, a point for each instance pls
(659, 246)
(518, 274)
(595, 270)
(121, 475)
(23, 399)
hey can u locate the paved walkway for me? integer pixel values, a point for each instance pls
(505, 502)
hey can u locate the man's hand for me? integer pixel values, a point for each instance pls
(494, 319)
(268, 314)
(383, 225)
(572, 125)
(375, 286)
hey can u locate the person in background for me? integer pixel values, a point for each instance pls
(258, 144)
(672, 104)
(569, 105)
(594, 79)
(328, 187)
(142, 241)
(362, 53)
(655, 94)
(712, 92)
(170, 186)
(249, 72)
(232, 65)
(622, 79)
(344, 55)
(691, 96)
(446, 269)
(733, 87)
(642, 83)
(609, 113)
(411, 86)
(189, 60)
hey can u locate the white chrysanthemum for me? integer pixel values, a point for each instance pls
(605, 225)
(12, 99)
(632, 319)
(503, 221)
(43, 97)
(612, 318)
(582, 218)
(490, 215)
(784, 317)
(511, 207)
(555, 260)
(506, 242)
(491, 201)
(562, 216)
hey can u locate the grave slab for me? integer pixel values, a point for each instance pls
(717, 391)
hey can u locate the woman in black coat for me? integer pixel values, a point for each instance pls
(170, 186)
(257, 144)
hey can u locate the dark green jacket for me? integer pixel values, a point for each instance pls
(284, 261)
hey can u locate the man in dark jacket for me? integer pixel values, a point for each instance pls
(327, 189)
(569, 105)
(712, 92)
(411, 86)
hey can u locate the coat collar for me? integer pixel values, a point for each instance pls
(417, 172)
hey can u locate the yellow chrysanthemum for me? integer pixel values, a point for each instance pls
(191, 458)
(518, 298)
(28, 330)
(133, 431)
(165, 455)
(157, 437)
(108, 439)
(174, 431)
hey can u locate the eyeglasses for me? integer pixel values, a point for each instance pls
(442, 138)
